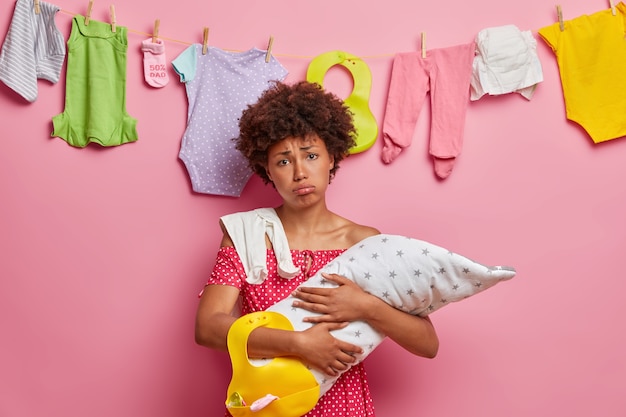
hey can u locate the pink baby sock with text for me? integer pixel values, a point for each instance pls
(154, 63)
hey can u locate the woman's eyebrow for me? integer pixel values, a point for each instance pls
(282, 153)
(288, 151)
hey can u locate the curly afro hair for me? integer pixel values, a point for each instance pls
(300, 110)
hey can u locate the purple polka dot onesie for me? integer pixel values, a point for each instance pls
(219, 87)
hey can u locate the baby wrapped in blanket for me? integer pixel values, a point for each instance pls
(409, 274)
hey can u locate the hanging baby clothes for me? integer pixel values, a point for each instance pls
(95, 96)
(445, 73)
(506, 62)
(154, 63)
(219, 87)
(358, 100)
(33, 49)
(591, 56)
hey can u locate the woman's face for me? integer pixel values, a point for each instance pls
(300, 169)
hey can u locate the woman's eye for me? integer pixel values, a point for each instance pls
(282, 162)
(312, 156)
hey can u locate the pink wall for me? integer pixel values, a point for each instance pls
(104, 250)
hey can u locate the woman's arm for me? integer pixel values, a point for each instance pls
(414, 333)
(316, 347)
(214, 315)
(349, 302)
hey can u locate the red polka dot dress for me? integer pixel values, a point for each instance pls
(350, 395)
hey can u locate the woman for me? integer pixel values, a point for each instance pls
(294, 137)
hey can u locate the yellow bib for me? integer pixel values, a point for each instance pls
(285, 377)
(364, 121)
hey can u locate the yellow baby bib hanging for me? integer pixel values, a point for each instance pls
(357, 102)
(283, 377)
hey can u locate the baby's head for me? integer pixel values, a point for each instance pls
(301, 110)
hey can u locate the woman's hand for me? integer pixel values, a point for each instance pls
(349, 302)
(337, 307)
(345, 303)
(319, 349)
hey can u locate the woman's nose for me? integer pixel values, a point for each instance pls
(299, 172)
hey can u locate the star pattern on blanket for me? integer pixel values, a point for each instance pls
(411, 275)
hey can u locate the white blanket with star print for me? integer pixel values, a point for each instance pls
(412, 275)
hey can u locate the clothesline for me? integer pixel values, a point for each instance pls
(146, 34)
(389, 55)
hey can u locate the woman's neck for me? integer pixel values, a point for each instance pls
(304, 220)
(313, 228)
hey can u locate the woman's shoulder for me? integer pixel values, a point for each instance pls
(359, 232)
(247, 215)
(241, 223)
(355, 232)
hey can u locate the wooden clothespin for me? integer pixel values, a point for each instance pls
(268, 54)
(88, 15)
(423, 44)
(612, 4)
(113, 20)
(559, 14)
(155, 31)
(205, 40)
(38, 10)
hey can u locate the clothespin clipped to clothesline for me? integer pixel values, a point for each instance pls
(559, 14)
(155, 31)
(268, 54)
(88, 15)
(205, 40)
(612, 4)
(37, 9)
(423, 44)
(113, 20)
